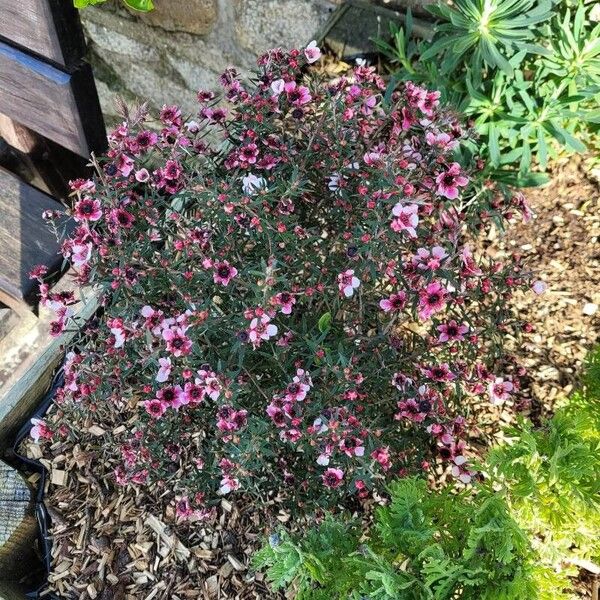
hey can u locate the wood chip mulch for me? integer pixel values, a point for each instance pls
(562, 246)
(112, 544)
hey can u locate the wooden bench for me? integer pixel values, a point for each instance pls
(50, 115)
(25, 241)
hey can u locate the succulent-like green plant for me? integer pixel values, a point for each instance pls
(526, 71)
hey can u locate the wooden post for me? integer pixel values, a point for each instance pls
(18, 525)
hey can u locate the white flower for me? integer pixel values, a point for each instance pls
(251, 184)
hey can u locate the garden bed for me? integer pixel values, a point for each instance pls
(143, 541)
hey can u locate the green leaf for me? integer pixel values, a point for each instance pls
(85, 3)
(140, 5)
(325, 322)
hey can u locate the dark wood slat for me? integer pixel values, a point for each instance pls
(25, 240)
(61, 106)
(48, 28)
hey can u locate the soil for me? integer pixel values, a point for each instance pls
(562, 245)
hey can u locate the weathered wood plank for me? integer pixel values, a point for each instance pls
(40, 162)
(61, 106)
(18, 525)
(25, 240)
(49, 28)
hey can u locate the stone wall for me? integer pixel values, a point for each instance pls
(167, 55)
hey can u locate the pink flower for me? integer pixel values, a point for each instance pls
(470, 267)
(395, 302)
(440, 373)
(81, 254)
(124, 164)
(429, 259)
(261, 329)
(87, 209)
(172, 170)
(452, 332)
(172, 396)
(500, 390)
(431, 300)
(441, 140)
(211, 383)
(297, 94)
(352, 446)
(410, 410)
(539, 287)
(228, 484)
(194, 392)
(382, 456)
(296, 391)
(428, 101)
(155, 408)
(178, 344)
(459, 469)
(372, 159)
(407, 219)
(368, 105)
(312, 52)
(347, 283)
(278, 87)
(142, 175)
(164, 371)
(40, 430)
(332, 478)
(449, 181)
(224, 273)
(286, 301)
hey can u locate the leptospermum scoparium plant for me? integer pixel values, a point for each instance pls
(295, 311)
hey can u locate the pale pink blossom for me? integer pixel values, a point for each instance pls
(277, 87)
(40, 430)
(406, 219)
(261, 330)
(348, 282)
(312, 52)
(429, 259)
(500, 390)
(164, 371)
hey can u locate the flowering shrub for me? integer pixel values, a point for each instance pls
(296, 308)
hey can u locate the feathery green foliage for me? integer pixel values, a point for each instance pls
(424, 545)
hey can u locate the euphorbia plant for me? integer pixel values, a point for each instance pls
(295, 309)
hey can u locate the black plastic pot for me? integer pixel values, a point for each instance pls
(43, 518)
